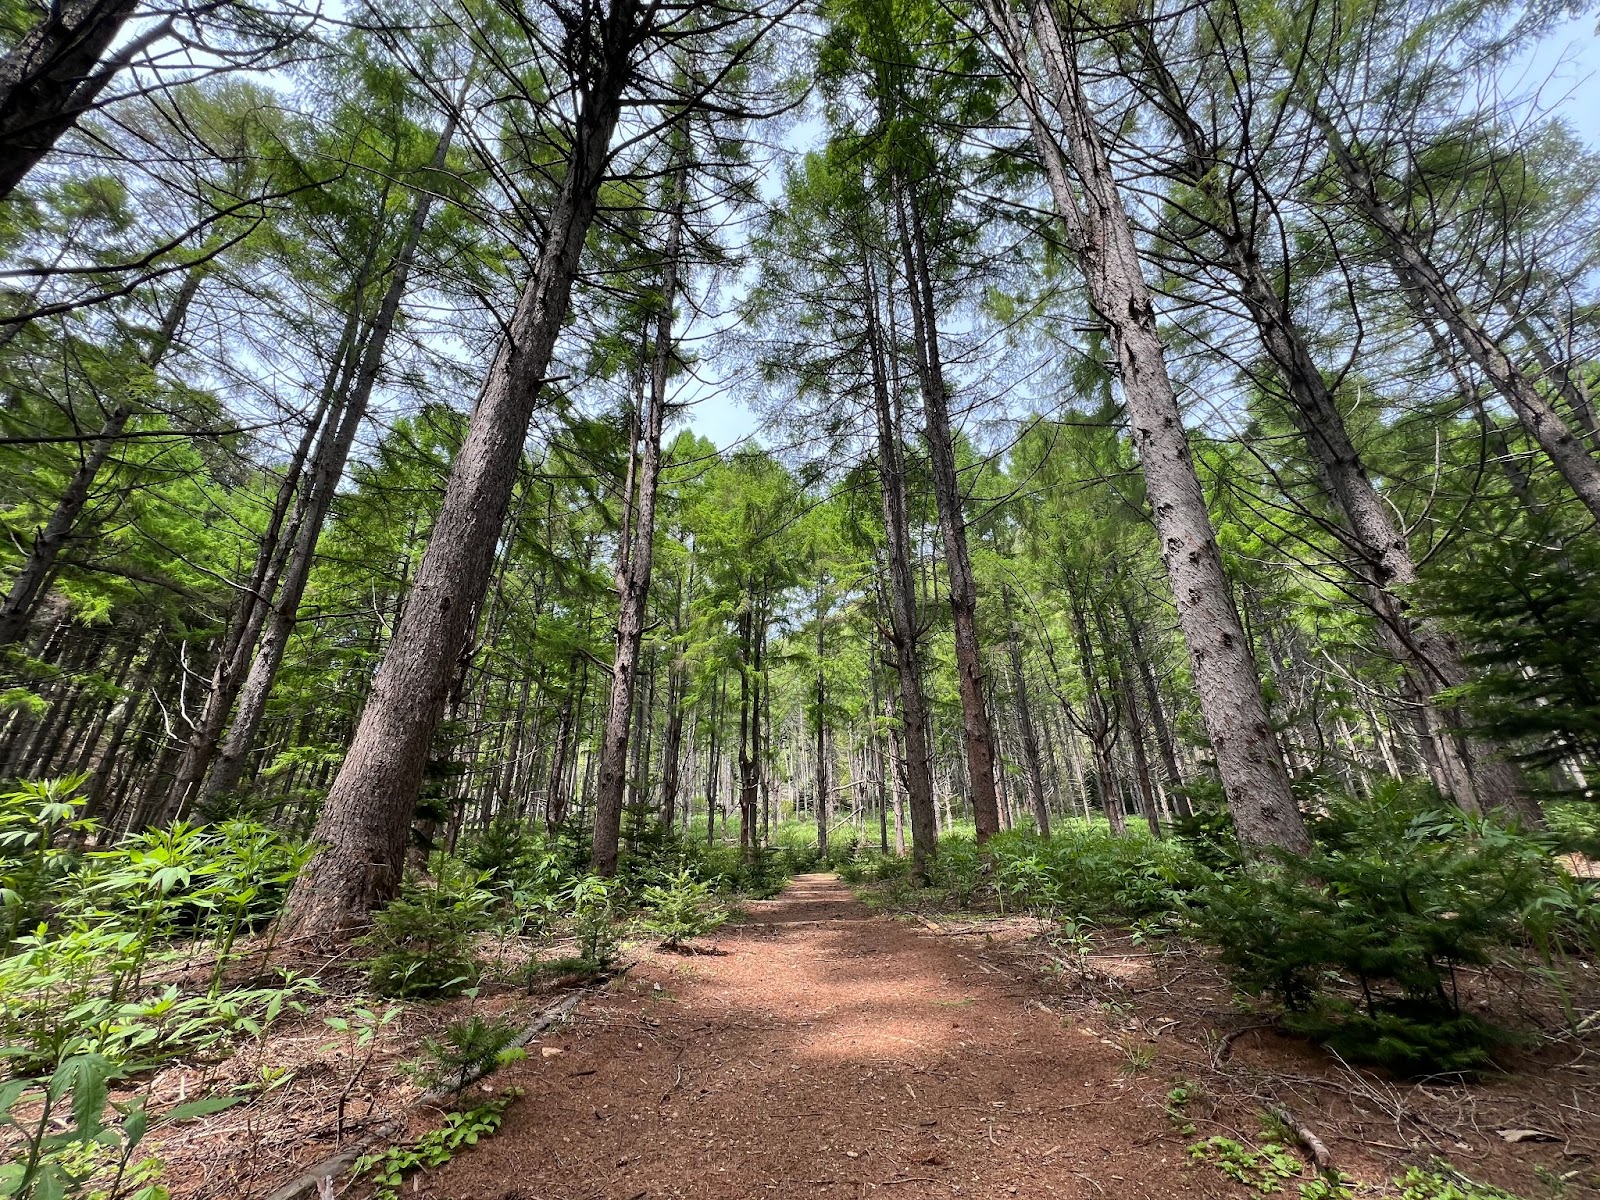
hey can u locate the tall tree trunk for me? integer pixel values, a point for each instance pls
(1475, 774)
(633, 573)
(1418, 273)
(822, 804)
(904, 624)
(672, 738)
(362, 829)
(1025, 728)
(1158, 718)
(1100, 725)
(1252, 773)
(978, 739)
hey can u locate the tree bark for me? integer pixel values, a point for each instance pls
(1025, 727)
(52, 77)
(362, 829)
(1101, 236)
(822, 794)
(633, 573)
(977, 737)
(1474, 774)
(904, 627)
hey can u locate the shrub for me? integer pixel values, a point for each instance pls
(681, 910)
(468, 1048)
(424, 939)
(1392, 898)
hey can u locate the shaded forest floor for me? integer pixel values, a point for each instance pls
(821, 1050)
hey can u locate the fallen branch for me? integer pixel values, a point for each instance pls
(313, 1181)
(1225, 1048)
(1306, 1136)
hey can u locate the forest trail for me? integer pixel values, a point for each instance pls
(823, 1051)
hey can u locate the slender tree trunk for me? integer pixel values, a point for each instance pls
(904, 624)
(822, 727)
(633, 573)
(977, 736)
(1025, 728)
(1158, 718)
(1417, 272)
(362, 829)
(328, 469)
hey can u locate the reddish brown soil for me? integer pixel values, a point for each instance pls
(826, 1052)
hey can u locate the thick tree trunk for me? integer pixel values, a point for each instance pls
(362, 829)
(53, 75)
(1224, 670)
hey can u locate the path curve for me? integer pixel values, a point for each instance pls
(826, 1052)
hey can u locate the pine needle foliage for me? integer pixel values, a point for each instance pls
(1360, 940)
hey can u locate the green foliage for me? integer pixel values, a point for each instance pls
(73, 979)
(1522, 603)
(468, 1047)
(593, 901)
(1444, 1183)
(1082, 871)
(33, 866)
(55, 1157)
(1393, 897)
(424, 940)
(1261, 1168)
(388, 1171)
(682, 909)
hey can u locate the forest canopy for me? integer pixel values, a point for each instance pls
(1177, 430)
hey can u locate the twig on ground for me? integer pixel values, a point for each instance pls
(1306, 1136)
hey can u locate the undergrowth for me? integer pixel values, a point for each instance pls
(1359, 943)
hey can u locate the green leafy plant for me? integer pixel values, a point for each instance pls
(50, 1164)
(1262, 1168)
(682, 909)
(468, 1048)
(1444, 1183)
(594, 920)
(425, 938)
(1179, 1097)
(35, 818)
(388, 1171)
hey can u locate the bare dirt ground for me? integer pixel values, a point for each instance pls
(818, 1049)
(822, 1051)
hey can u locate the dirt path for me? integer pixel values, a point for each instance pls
(826, 1052)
